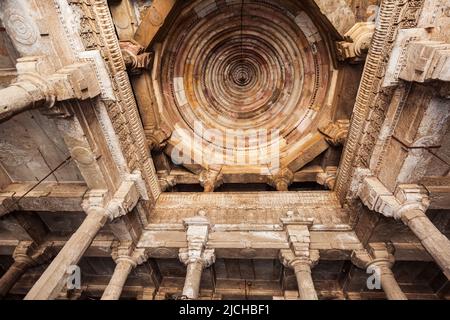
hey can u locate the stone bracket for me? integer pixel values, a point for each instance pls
(378, 198)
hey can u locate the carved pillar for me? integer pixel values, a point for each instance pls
(52, 280)
(27, 254)
(282, 179)
(196, 257)
(302, 267)
(409, 205)
(98, 213)
(126, 260)
(36, 88)
(300, 257)
(380, 258)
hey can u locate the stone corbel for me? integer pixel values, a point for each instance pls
(31, 254)
(136, 60)
(166, 181)
(336, 132)
(376, 253)
(357, 43)
(157, 138)
(378, 198)
(211, 179)
(282, 179)
(327, 178)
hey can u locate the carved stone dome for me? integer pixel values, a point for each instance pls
(233, 67)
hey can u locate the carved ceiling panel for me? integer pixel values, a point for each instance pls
(241, 83)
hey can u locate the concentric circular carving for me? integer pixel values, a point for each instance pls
(236, 66)
(22, 29)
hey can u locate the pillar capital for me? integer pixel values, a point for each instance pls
(290, 260)
(282, 179)
(127, 251)
(39, 85)
(206, 258)
(197, 231)
(378, 254)
(211, 178)
(413, 201)
(336, 132)
(327, 178)
(31, 254)
(407, 198)
(135, 58)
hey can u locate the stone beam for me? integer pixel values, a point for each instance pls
(153, 21)
(47, 196)
(305, 153)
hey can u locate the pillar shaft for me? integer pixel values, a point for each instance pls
(15, 271)
(193, 277)
(389, 284)
(305, 282)
(18, 98)
(117, 282)
(437, 245)
(53, 279)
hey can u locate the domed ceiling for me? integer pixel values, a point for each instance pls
(244, 83)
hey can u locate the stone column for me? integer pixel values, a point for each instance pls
(38, 87)
(120, 275)
(302, 267)
(26, 255)
(52, 280)
(196, 257)
(126, 261)
(408, 204)
(436, 244)
(195, 266)
(379, 258)
(20, 97)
